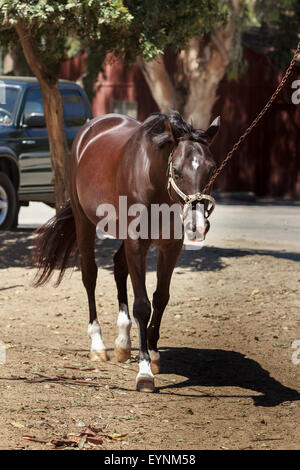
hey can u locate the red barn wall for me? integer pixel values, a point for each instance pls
(268, 163)
(119, 82)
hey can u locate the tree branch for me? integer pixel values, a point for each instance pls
(160, 84)
(31, 54)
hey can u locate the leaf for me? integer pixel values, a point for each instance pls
(116, 436)
(63, 443)
(35, 439)
(74, 403)
(80, 423)
(17, 425)
(94, 442)
(82, 441)
(91, 431)
(255, 291)
(40, 410)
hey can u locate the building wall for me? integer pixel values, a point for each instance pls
(119, 82)
(268, 163)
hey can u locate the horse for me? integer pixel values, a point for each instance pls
(162, 160)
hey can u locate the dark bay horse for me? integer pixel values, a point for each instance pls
(160, 161)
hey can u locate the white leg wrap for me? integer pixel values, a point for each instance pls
(144, 370)
(124, 326)
(94, 332)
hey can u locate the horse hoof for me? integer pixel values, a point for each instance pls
(122, 355)
(100, 356)
(145, 384)
(155, 366)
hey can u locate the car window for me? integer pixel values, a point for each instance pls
(8, 101)
(73, 105)
(33, 104)
(74, 108)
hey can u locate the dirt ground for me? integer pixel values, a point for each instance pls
(227, 381)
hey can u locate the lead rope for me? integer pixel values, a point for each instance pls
(256, 120)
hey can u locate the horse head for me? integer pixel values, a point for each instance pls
(190, 166)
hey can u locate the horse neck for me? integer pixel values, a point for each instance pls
(158, 169)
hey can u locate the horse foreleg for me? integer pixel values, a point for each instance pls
(136, 251)
(85, 232)
(167, 257)
(122, 342)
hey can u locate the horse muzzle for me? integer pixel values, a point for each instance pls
(196, 233)
(195, 224)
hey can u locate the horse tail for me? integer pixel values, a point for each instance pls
(55, 245)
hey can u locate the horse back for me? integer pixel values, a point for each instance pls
(95, 160)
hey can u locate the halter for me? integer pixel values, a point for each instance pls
(187, 198)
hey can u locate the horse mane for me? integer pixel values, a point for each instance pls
(155, 129)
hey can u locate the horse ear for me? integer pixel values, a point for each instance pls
(212, 131)
(168, 129)
(165, 134)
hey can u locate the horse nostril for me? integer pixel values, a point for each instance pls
(200, 230)
(190, 227)
(207, 226)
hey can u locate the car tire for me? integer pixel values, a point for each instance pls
(8, 203)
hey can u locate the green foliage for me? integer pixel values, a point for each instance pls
(52, 22)
(279, 22)
(129, 28)
(277, 25)
(239, 21)
(156, 24)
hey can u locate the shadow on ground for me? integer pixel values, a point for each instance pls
(16, 251)
(219, 368)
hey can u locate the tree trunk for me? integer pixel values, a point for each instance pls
(200, 69)
(204, 64)
(57, 139)
(53, 109)
(160, 83)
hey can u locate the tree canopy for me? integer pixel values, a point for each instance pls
(132, 28)
(279, 22)
(52, 22)
(128, 28)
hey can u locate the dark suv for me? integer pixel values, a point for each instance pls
(25, 166)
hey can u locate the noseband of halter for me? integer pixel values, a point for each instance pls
(187, 198)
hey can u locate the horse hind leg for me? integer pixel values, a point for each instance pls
(85, 231)
(122, 343)
(98, 350)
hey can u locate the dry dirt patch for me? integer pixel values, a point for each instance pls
(227, 381)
